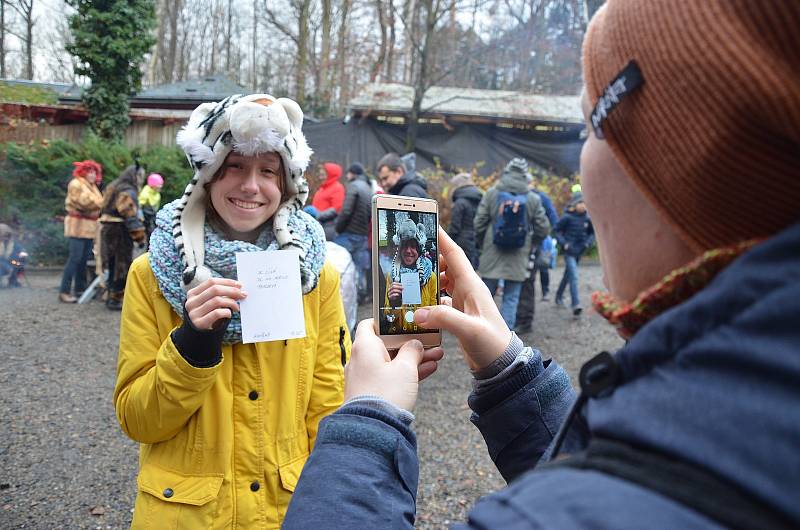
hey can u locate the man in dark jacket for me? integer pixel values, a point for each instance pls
(574, 233)
(396, 180)
(466, 197)
(694, 422)
(352, 224)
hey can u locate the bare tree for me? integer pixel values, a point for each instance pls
(25, 10)
(2, 38)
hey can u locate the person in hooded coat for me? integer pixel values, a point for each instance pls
(693, 422)
(120, 227)
(465, 197)
(225, 427)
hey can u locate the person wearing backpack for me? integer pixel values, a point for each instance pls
(509, 221)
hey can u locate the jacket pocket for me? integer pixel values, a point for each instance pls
(171, 500)
(290, 472)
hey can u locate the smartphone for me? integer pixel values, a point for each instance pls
(405, 268)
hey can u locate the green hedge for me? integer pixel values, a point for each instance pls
(34, 178)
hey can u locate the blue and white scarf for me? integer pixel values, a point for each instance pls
(220, 257)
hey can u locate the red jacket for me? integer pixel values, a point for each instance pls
(331, 193)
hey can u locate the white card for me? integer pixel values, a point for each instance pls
(411, 290)
(273, 309)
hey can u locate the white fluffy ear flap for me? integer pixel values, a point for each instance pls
(421, 237)
(293, 110)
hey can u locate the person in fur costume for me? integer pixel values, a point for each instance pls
(121, 226)
(409, 241)
(226, 427)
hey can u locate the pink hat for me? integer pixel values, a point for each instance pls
(154, 180)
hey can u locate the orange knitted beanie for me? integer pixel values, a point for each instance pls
(712, 136)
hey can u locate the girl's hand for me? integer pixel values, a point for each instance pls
(471, 314)
(395, 294)
(213, 300)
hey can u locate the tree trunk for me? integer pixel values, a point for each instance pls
(253, 59)
(421, 84)
(29, 40)
(302, 52)
(3, 38)
(323, 89)
(172, 51)
(392, 42)
(341, 55)
(376, 68)
(591, 7)
(228, 37)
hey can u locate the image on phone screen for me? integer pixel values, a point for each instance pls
(408, 268)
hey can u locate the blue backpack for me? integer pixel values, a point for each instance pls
(511, 224)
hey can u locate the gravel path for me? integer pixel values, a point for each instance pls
(64, 463)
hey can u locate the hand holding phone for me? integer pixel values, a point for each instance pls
(471, 314)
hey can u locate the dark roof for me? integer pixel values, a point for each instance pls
(190, 93)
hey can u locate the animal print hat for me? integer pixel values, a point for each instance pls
(249, 125)
(408, 230)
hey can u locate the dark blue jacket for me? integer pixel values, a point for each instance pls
(713, 382)
(574, 233)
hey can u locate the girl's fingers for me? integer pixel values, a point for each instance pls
(214, 291)
(215, 304)
(212, 281)
(207, 322)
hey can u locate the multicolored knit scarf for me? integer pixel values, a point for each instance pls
(675, 288)
(220, 257)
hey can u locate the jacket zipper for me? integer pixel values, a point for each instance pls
(341, 345)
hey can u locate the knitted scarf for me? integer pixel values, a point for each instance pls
(220, 257)
(675, 288)
(424, 268)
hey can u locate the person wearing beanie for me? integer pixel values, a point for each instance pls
(692, 110)
(83, 203)
(353, 224)
(226, 427)
(150, 201)
(509, 264)
(466, 197)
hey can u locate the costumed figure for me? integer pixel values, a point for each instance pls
(120, 228)
(83, 203)
(409, 241)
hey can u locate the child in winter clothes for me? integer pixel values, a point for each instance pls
(150, 201)
(226, 427)
(574, 233)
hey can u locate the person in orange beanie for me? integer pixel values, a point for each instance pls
(691, 174)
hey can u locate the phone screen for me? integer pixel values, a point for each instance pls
(408, 268)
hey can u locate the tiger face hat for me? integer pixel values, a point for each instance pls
(249, 125)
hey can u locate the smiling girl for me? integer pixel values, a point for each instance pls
(226, 427)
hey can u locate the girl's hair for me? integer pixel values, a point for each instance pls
(211, 212)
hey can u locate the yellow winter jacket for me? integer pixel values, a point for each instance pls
(223, 447)
(149, 197)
